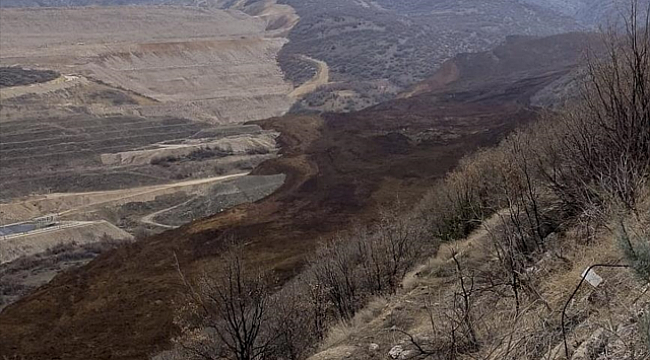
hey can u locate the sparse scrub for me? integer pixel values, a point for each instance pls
(636, 248)
(603, 146)
(342, 277)
(457, 204)
(227, 314)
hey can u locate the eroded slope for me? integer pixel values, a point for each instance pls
(207, 64)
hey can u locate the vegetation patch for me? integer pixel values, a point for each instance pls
(16, 76)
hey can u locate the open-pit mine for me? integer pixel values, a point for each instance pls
(119, 122)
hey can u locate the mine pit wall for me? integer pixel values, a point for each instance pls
(230, 146)
(39, 241)
(221, 70)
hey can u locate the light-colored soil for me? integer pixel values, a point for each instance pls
(62, 83)
(321, 78)
(234, 145)
(79, 232)
(149, 219)
(68, 204)
(208, 64)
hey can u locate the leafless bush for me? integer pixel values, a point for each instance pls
(299, 322)
(603, 147)
(227, 315)
(388, 251)
(452, 320)
(456, 205)
(333, 268)
(372, 261)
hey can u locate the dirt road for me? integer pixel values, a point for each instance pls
(322, 77)
(149, 219)
(71, 203)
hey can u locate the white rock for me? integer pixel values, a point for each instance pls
(373, 347)
(396, 351)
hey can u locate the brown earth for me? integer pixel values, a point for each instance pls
(341, 168)
(517, 57)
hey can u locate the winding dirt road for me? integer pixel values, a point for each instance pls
(149, 219)
(321, 78)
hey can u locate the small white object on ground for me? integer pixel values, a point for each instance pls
(592, 278)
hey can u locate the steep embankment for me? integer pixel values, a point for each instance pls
(208, 64)
(340, 169)
(517, 57)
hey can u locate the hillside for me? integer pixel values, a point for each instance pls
(517, 57)
(541, 243)
(375, 49)
(340, 169)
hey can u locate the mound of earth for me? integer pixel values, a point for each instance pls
(340, 169)
(518, 57)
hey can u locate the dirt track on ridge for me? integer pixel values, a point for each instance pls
(321, 78)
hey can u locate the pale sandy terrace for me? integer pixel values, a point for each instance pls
(209, 64)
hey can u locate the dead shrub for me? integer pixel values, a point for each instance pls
(227, 314)
(603, 141)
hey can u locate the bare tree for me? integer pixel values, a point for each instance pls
(227, 315)
(298, 322)
(604, 140)
(333, 268)
(388, 250)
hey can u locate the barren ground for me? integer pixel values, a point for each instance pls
(207, 64)
(133, 122)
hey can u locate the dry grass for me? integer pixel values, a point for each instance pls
(341, 331)
(602, 320)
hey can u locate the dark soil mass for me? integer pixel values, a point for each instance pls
(15, 76)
